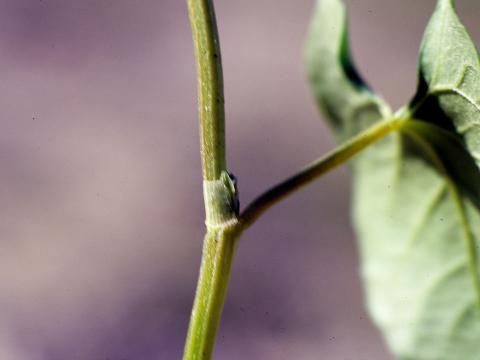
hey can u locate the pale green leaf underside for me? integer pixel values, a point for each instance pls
(412, 236)
(337, 87)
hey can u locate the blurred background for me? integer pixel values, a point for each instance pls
(102, 213)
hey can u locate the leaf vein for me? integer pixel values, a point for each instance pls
(439, 90)
(427, 211)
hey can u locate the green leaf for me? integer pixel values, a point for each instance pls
(415, 194)
(449, 78)
(339, 90)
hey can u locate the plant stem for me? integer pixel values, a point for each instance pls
(224, 226)
(318, 168)
(219, 190)
(224, 229)
(218, 252)
(210, 87)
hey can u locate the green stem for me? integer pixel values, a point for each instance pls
(318, 168)
(224, 226)
(219, 191)
(224, 229)
(218, 252)
(210, 87)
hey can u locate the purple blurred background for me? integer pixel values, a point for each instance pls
(102, 214)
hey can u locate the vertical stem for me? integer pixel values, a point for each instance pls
(218, 253)
(219, 190)
(210, 87)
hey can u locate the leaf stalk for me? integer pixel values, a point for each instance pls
(318, 168)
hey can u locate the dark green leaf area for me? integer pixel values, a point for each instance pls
(456, 161)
